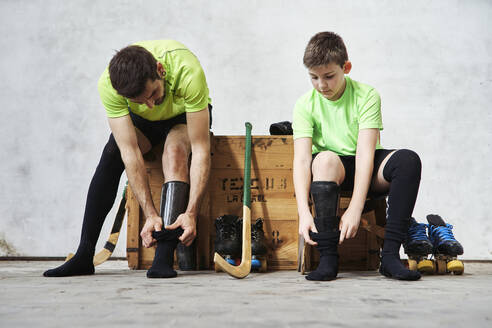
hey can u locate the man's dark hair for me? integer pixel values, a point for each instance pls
(130, 69)
(325, 48)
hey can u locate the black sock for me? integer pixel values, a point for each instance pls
(162, 266)
(100, 199)
(403, 171)
(328, 255)
(391, 266)
(80, 264)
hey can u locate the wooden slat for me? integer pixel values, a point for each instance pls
(267, 152)
(133, 230)
(203, 234)
(266, 180)
(282, 240)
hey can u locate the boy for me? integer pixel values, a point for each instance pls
(153, 91)
(336, 147)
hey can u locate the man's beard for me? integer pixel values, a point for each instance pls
(161, 100)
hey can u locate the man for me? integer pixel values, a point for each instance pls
(153, 91)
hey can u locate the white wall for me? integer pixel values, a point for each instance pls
(430, 61)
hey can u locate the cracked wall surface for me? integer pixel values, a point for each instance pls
(430, 62)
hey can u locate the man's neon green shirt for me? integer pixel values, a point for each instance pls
(186, 88)
(335, 125)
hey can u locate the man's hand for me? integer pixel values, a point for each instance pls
(306, 224)
(349, 224)
(187, 222)
(153, 223)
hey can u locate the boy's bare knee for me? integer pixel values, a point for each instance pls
(327, 166)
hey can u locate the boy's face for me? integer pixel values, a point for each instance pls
(329, 80)
(154, 91)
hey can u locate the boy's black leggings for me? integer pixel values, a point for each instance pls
(402, 170)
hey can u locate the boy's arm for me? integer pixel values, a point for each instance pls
(364, 163)
(302, 181)
(199, 134)
(126, 139)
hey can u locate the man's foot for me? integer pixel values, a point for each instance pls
(392, 267)
(162, 266)
(161, 272)
(76, 266)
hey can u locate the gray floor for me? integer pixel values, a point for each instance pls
(119, 297)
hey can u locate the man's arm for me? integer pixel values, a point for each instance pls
(302, 181)
(199, 135)
(126, 138)
(364, 163)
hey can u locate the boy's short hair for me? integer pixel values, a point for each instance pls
(130, 69)
(325, 48)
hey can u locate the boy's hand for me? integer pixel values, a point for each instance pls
(187, 222)
(349, 224)
(306, 224)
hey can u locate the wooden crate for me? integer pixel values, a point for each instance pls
(273, 199)
(272, 192)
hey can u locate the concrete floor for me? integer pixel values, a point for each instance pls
(119, 297)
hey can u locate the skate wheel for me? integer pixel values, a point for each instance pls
(441, 266)
(456, 267)
(426, 266)
(230, 261)
(255, 264)
(412, 265)
(263, 267)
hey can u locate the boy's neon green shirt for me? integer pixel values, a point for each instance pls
(335, 125)
(186, 88)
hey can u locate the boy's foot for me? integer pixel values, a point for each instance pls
(392, 267)
(328, 255)
(76, 266)
(327, 269)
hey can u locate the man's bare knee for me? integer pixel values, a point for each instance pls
(175, 160)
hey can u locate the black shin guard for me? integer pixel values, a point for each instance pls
(174, 199)
(100, 199)
(403, 171)
(325, 197)
(186, 256)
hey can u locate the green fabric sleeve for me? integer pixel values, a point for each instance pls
(370, 112)
(193, 84)
(196, 92)
(115, 105)
(302, 123)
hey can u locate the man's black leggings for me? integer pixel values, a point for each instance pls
(104, 185)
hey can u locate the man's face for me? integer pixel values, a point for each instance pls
(329, 80)
(152, 95)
